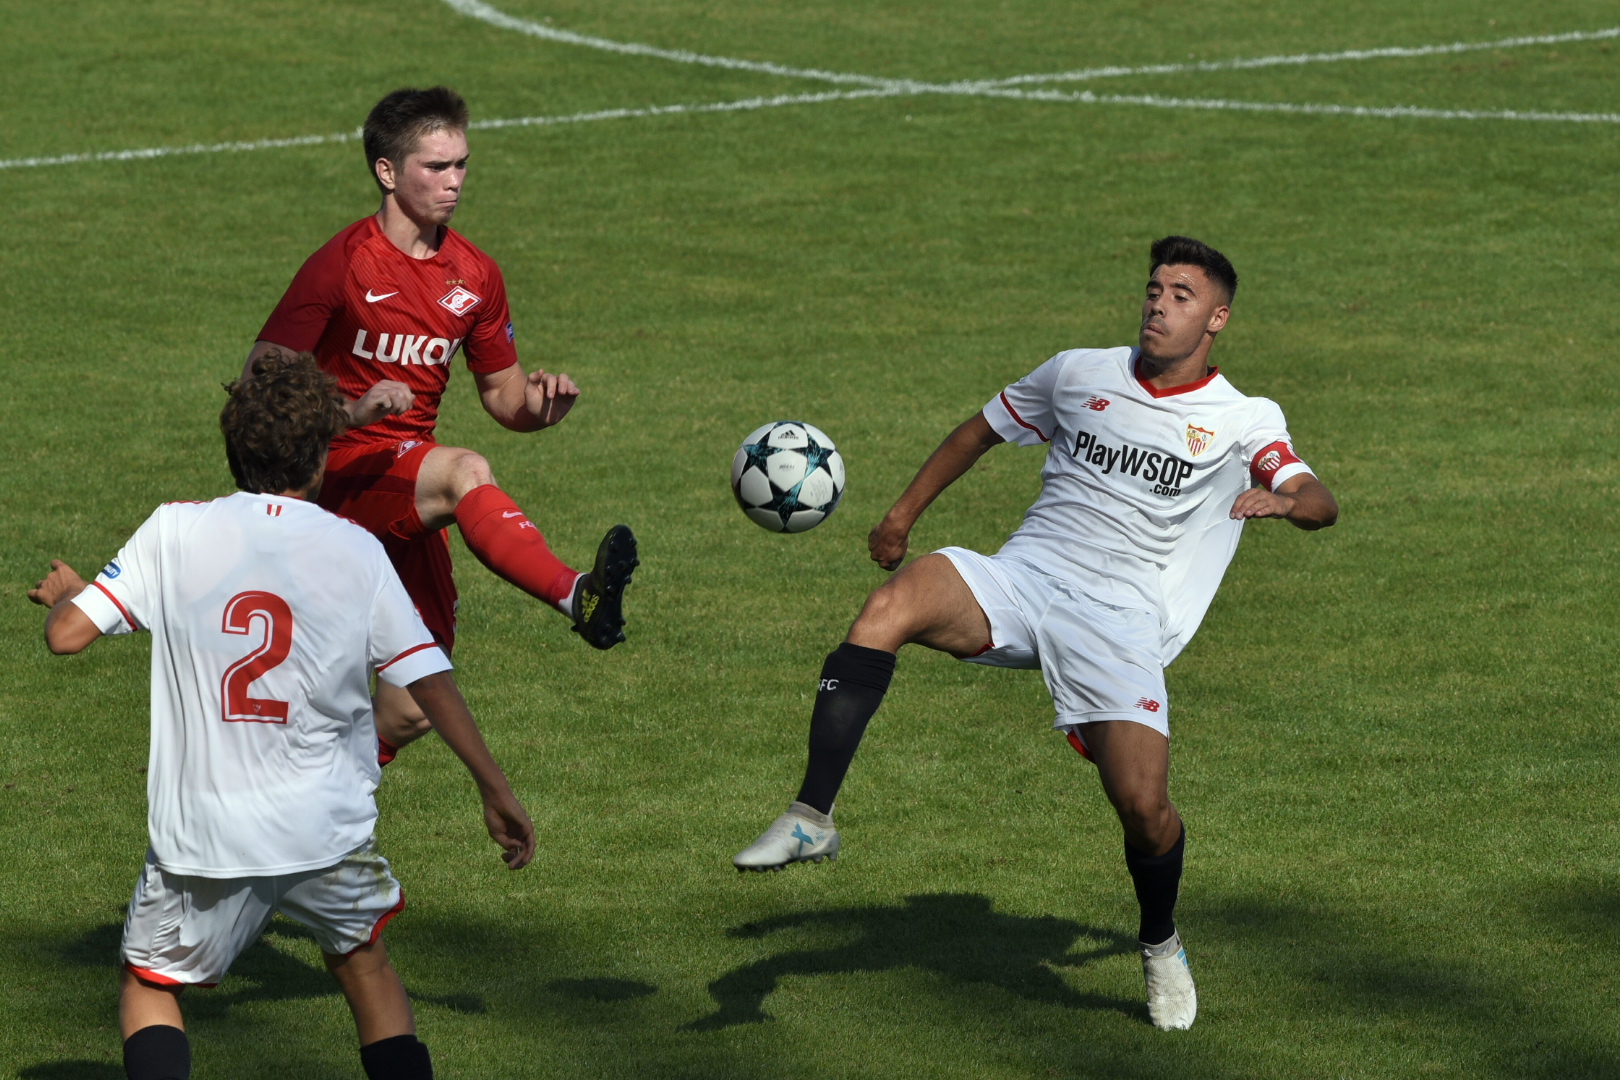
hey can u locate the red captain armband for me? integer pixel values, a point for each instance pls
(1270, 460)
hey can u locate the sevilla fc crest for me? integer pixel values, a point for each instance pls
(459, 301)
(1198, 439)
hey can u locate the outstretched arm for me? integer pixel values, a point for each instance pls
(526, 402)
(1303, 500)
(67, 628)
(387, 397)
(509, 826)
(955, 456)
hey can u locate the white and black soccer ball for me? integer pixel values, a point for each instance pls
(788, 476)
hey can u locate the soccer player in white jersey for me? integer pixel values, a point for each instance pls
(1151, 455)
(269, 616)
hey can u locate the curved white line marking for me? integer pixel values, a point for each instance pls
(483, 12)
(1415, 112)
(877, 87)
(177, 151)
(1396, 51)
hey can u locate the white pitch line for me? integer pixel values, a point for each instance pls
(483, 12)
(877, 87)
(745, 105)
(1415, 112)
(176, 151)
(487, 13)
(1394, 51)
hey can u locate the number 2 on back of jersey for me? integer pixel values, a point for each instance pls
(240, 612)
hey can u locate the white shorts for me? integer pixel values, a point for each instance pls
(1100, 662)
(186, 931)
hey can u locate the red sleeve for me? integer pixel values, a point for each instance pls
(315, 294)
(490, 347)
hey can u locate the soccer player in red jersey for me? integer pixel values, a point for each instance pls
(385, 306)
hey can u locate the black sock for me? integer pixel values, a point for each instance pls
(158, 1052)
(397, 1058)
(853, 682)
(1157, 878)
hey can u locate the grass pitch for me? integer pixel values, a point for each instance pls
(1392, 738)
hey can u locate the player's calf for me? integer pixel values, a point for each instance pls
(157, 1052)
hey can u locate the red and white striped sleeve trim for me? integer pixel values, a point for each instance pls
(417, 662)
(122, 610)
(1004, 420)
(104, 609)
(1019, 420)
(408, 652)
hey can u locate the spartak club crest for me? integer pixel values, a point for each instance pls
(1198, 439)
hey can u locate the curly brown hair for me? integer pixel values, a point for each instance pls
(278, 422)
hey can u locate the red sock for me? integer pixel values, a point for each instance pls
(506, 541)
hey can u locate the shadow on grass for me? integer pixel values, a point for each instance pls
(72, 1070)
(603, 990)
(1332, 966)
(958, 936)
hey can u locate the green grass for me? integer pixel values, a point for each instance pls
(1392, 739)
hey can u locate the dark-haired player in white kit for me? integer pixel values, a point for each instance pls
(268, 616)
(1151, 454)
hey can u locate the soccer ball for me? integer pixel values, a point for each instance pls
(787, 476)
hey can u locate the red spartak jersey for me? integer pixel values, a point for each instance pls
(368, 312)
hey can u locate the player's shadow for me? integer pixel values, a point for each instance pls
(72, 1070)
(262, 973)
(958, 936)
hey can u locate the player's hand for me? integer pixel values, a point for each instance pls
(888, 542)
(62, 583)
(1257, 502)
(548, 397)
(387, 397)
(510, 827)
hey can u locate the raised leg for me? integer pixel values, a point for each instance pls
(457, 486)
(927, 603)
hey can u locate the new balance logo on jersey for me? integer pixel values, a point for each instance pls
(1167, 470)
(406, 348)
(1095, 404)
(1148, 704)
(458, 301)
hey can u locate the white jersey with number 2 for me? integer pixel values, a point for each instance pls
(268, 616)
(1139, 482)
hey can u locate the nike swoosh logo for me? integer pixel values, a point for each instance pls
(511, 513)
(373, 299)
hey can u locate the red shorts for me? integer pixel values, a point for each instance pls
(374, 485)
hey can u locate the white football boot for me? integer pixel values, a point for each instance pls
(1172, 999)
(803, 834)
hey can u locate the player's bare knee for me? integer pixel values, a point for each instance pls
(470, 471)
(884, 621)
(1147, 818)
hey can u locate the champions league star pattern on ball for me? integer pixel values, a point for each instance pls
(787, 476)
